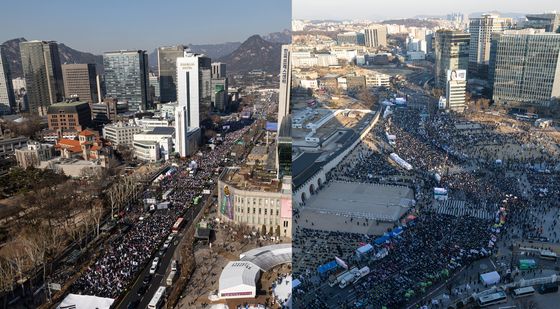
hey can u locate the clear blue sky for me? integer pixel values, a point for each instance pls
(386, 9)
(101, 25)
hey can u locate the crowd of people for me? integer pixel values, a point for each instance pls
(121, 259)
(427, 252)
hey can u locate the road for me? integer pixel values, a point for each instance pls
(160, 276)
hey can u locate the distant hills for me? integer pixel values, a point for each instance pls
(254, 53)
(411, 22)
(67, 55)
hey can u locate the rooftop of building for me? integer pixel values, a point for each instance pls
(250, 178)
(162, 131)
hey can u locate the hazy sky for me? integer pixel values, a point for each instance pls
(102, 25)
(384, 9)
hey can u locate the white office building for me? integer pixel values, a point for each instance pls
(455, 90)
(120, 133)
(190, 79)
(285, 84)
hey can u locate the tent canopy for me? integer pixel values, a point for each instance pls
(364, 249)
(326, 267)
(490, 278)
(85, 302)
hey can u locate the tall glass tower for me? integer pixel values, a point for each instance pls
(126, 77)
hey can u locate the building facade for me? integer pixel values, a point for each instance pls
(193, 73)
(33, 154)
(526, 68)
(80, 80)
(375, 36)
(455, 90)
(126, 77)
(7, 95)
(269, 210)
(452, 53)
(69, 116)
(167, 71)
(285, 83)
(550, 22)
(120, 133)
(481, 30)
(40, 62)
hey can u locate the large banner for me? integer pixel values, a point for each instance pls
(227, 203)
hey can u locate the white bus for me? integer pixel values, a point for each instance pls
(157, 300)
(522, 292)
(492, 299)
(548, 255)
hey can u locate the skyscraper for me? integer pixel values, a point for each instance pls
(481, 30)
(376, 36)
(285, 83)
(525, 67)
(80, 80)
(126, 77)
(7, 96)
(452, 53)
(218, 70)
(181, 129)
(550, 22)
(167, 71)
(43, 74)
(191, 76)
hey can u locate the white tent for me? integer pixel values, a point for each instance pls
(239, 280)
(490, 278)
(75, 301)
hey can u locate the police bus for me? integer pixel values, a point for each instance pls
(158, 298)
(492, 299)
(522, 292)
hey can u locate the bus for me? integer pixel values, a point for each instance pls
(492, 299)
(548, 255)
(178, 224)
(522, 292)
(157, 300)
(527, 264)
(165, 195)
(546, 288)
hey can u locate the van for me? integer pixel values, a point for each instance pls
(174, 265)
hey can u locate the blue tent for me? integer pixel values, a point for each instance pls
(271, 126)
(396, 231)
(382, 239)
(326, 267)
(364, 249)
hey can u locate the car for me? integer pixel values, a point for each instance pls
(142, 290)
(153, 269)
(133, 304)
(170, 237)
(166, 243)
(147, 279)
(174, 264)
(155, 261)
(161, 252)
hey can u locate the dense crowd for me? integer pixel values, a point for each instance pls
(427, 252)
(125, 255)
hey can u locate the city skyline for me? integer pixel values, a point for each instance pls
(332, 10)
(119, 25)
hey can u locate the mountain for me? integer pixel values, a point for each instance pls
(67, 55)
(284, 37)
(254, 54)
(213, 51)
(501, 14)
(411, 22)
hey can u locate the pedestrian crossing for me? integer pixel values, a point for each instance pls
(460, 208)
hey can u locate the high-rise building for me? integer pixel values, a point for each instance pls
(80, 80)
(481, 29)
(155, 92)
(167, 71)
(40, 62)
(525, 67)
(7, 96)
(220, 96)
(71, 115)
(285, 83)
(126, 77)
(218, 70)
(376, 36)
(181, 129)
(350, 38)
(451, 53)
(455, 90)
(193, 72)
(550, 22)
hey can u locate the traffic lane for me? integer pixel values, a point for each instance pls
(132, 295)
